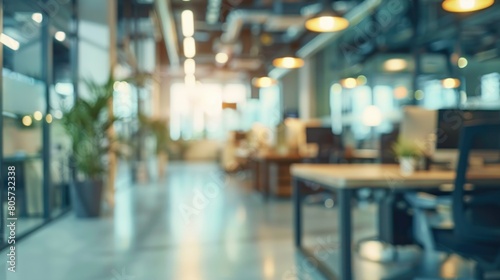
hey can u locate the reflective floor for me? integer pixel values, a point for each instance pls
(195, 224)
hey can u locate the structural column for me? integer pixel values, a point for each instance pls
(307, 93)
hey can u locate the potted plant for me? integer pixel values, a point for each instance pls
(408, 153)
(158, 128)
(87, 124)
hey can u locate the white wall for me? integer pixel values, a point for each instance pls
(93, 30)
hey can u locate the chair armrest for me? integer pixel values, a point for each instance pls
(426, 200)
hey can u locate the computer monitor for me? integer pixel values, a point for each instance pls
(328, 143)
(449, 126)
(450, 123)
(319, 135)
(418, 125)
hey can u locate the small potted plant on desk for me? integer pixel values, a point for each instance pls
(87, 124)
(408, 153)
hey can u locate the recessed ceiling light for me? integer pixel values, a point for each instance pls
(27, 121)
(262, 82)
(9, 42)
(221, 58)
(187, 20)
(38, 115)
(463, 62)
(349, 83)
(37, 17)
(60, 36)
(395, 64)
(189, 66)
(189, 47)
(450, 83)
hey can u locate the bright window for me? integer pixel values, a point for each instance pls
(437, 97)
(490, 87)
(196, 111)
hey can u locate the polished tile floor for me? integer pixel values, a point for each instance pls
(195, 224)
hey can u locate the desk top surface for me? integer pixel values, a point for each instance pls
(386, 176)
(277, 157)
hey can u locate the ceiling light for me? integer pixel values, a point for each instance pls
(327, 21)
(336, 88)
(349, 83)
(37, 17)
(221, 58)
(9, 42)
(288, 62)
(361, 80)
(189, 47)
(450, 83)
(48, 118)
(37, 115)
(419, 94)
(189, 66)
(27, 121)
(262, 82)
(187, 20)
(190, 80)
(395, 64)
(60, 36)
(465, 6)
(463, 62)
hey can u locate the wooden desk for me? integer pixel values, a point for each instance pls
(362, 155)
(344, 178)
(272, 173)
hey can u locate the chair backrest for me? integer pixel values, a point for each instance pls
(476, 213)
(386, 142)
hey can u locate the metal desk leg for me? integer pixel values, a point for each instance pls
(345, 234)
(297, 211)
(264, 175)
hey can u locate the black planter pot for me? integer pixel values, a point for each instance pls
(86, 198)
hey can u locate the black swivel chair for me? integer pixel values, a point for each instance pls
(475, 233)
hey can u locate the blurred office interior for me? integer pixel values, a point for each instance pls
(250, 139)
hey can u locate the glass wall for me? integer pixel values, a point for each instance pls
(37, 85)
(197, 112)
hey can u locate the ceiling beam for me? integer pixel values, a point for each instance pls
(168, 30)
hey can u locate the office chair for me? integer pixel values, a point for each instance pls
(475, 233)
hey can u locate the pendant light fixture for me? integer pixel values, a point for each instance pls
(288, 60)
(465, 6)
(450, 83)
(263, 82)
(327, 20)
(261, 78)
